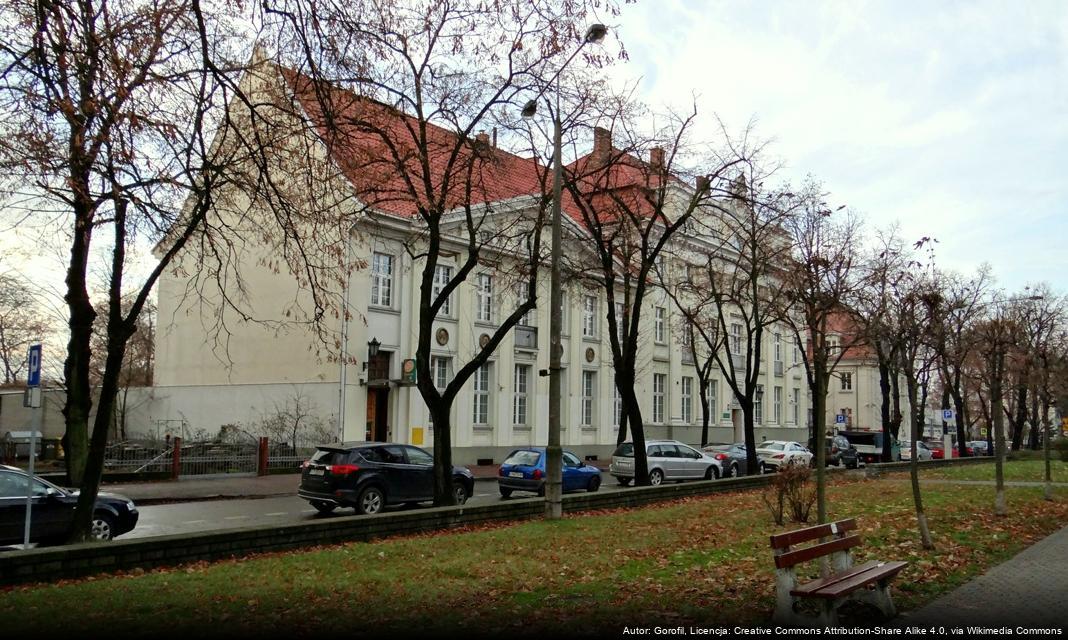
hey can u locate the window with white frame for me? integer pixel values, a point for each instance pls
(659, 392)
(777, 405)
(617, 406)
(736, 338)
(481, 407)
(589, 389)
(797, 354)
(686, 340)
(441, 370)
(796, 409)
(524, 292)
(382, 280)
(442, 276)
(661, 322)
(758, 406)
(619, 322)
(687, 399)
(778, 347)
(519, 398)
(712, 408)
(589, 316)
(847, 381)
(484, 299)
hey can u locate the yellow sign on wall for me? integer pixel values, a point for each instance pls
(417, 436)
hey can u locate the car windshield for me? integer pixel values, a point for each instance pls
(527, 458)
(774, 446)
(625, 450)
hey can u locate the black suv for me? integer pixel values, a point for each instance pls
(370, 475)
(53, 510)
(840, 452)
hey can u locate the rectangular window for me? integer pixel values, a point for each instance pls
(777, 407)
(442, 276)
(736, 339)
(687, 399)
(484, 312)
(480, 410)
(440, 368)
(712, 408)
(659, 388)
(796, 410)
(797, 354)
(661, 328)
(778, 347)
(589, 316)
(382, 279)
(617, 406)
(687, 331)
(758, 405)
(519, 400)
(619, 322)
(528, 318)
(589, 386)
(847, 381)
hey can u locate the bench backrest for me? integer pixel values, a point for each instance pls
(787, 557)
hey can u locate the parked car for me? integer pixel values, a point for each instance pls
(668, 460)
(53, 510)
(370, 475)
(840, 452)
(732, 458)
(978, 447)
(776, 454)
(923, 452)
(869, 445)
(525, 470)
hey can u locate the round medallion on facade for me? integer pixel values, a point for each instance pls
(442, 336)
(590, 355)
(483, 340)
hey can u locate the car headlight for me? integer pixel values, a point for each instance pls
(131, 507)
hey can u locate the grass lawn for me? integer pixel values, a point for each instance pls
(1015, 470)
(701, 560)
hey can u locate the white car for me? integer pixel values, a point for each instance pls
(667, 460)
(775, 454)
(923, 452)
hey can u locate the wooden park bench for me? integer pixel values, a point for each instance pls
(868, 582)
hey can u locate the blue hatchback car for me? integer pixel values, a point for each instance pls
(524, 470)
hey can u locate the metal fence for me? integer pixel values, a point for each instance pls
(201, 458)
(284, 457)
(134, 457)
(206, 458)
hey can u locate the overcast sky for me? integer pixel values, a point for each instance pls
(949, 117)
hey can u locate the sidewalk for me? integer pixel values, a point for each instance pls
(1028, 590)
(191, 489)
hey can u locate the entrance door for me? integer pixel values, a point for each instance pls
(377, 413)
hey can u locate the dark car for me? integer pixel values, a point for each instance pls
(524, 470)
(731, 456)
(53, 509)
(370, 475)
(842, 453)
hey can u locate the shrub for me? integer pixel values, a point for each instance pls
(791, 494)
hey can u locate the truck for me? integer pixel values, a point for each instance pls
(869, 445)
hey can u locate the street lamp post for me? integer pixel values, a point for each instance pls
(554, 453)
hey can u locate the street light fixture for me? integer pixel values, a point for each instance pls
(372, 348)
(553, 452)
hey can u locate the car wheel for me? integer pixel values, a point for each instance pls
(712, 473)
(323, 507)
(624, 482)
(764, 468)
(595, 484)
(371, 501)
(656, 476)
(459, 492)
(103, 526)
(732, 472)
(506, 492)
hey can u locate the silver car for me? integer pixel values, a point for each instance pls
(668, 460)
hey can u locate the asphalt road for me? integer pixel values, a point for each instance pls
(213, 515)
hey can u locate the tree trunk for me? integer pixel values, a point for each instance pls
(819, 428)
(962, 416)
(1035, 425)
(706, 417)
(895, 423)
(441, 413)
(1047, 435)
(749, 432)
(915, 422)
(637, 430)
(1000, 508)
(621, 437)
(1020, 417)
(884, 390)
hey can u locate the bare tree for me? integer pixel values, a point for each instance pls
(633, 210)
(820, 284)
(128, 124)
(21, 324)
(403, 91)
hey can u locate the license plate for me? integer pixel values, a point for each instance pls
(315, 472)
(515, 474)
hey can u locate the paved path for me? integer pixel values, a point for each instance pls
(1030, 590)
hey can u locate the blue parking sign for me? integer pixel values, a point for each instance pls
(33, 366)
(839, 419)
(947, 414)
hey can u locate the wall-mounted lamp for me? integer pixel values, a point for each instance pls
(372, 348)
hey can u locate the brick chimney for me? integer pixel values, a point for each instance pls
(702, 183)
(483, 138)
(602, 145)
(656, 158)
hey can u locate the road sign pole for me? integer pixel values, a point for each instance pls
(33, 383)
